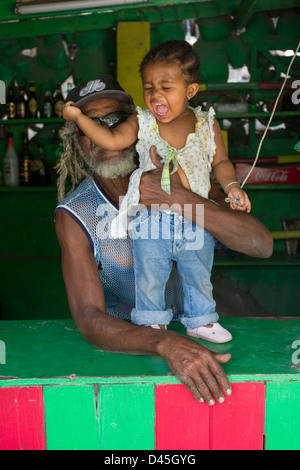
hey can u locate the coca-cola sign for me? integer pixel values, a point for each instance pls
(259, 175)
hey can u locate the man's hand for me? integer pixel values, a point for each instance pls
(151, 192)
(197, 368)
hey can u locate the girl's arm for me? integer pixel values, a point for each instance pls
(225, 173)
(222, 167)
(120, 137)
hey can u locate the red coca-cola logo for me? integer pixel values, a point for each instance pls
(272, 176)
(286, 175)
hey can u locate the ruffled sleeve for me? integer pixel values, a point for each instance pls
(205, 131)
(211, 117)
(146, 136)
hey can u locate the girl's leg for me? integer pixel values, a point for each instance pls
(194, 267)
(200, 316)
(152, 266)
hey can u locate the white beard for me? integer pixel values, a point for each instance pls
(116, 167)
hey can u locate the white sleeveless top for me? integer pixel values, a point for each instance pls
(195, 158)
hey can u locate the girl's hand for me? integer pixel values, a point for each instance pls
(238, 193)
(70, 112)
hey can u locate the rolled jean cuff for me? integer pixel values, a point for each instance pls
(202, 320)
(151, 317)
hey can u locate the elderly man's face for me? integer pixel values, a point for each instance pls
(107, 163)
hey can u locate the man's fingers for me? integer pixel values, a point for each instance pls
(213, 381)
(193, 388)
(155, 157)
(219, 373)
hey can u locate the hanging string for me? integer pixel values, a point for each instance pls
(272, 114)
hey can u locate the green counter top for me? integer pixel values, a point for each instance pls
(40, 352)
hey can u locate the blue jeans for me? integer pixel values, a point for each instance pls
(159, 238)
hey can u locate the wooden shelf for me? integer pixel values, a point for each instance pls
(29, 189)
(17, 122)
(262, 115)
(283, 187)
(258, 115)
(277, 259)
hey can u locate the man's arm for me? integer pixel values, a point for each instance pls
(237, 230)
(195, 366)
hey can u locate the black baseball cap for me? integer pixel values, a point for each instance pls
(100, 88)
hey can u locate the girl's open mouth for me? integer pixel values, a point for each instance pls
(160, 110)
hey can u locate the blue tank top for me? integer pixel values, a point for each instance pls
(93, 210)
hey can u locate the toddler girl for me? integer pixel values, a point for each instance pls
(190, 139)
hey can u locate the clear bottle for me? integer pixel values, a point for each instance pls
(11, 165)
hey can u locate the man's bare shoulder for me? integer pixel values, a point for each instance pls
(69, 232)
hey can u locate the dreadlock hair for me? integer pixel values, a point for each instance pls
(71, 163)
(177, 52)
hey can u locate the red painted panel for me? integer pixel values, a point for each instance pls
(181, 422)
(238, 424)
(184, 424)
(22, 418)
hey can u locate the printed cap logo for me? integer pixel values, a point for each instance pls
(92, 87)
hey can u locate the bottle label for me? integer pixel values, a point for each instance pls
(11, 110)
(25, 172)
(32, 106)
(11, 174)
(36, 165)
(47, 110)
(21, 110)
(58, 108)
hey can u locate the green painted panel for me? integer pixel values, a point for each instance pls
(283, 416)
(71, 418)
(126, 417)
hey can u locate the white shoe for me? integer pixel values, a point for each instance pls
(215, 334)
(158, 327)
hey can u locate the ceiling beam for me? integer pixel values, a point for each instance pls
(76, 21)
(14, 26)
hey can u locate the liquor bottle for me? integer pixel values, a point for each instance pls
(11, 165)
(21, 104)
(32, 101)
(48, 105)
(11, 104)
(58, 102)
(40, 170)
(25, 161)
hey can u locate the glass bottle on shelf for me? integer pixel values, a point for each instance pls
(11, 165)
(25, 161)
(58, 102)
(11, 104)
(21, 104)
(40, 170)
(48, 105)
(32, 101)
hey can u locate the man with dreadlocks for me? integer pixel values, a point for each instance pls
(98, 270)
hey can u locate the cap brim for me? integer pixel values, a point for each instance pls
(101, 95)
